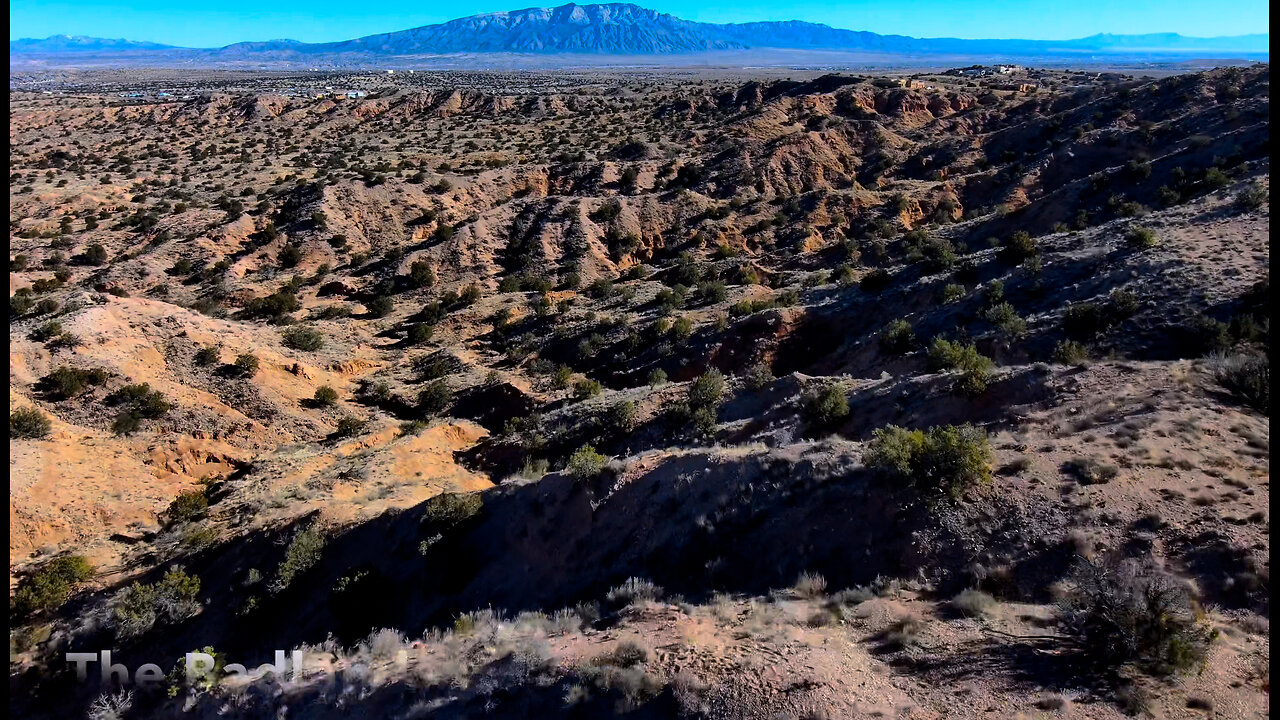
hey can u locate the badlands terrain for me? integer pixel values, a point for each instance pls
(649, 394)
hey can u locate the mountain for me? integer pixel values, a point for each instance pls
(79, 43)
(627, 29)
(616, 29)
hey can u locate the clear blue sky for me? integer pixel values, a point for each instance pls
(210, 23)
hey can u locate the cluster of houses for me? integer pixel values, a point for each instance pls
(986, 70)
(135, 95)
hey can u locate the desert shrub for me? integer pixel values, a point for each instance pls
(469, 295)
(50, 586)
(420, 333)
(47, 331)
(623, 416)
(1252, 197)
(435, 398)
(1248, 377)
(1142, 237)
(952, 292)
(1123, 303)
(827, 407)
(586, 387)
(325, 396)
(303, 553)
(189, 505)
(1089, 471)
(67, 382)
(898, 337)
(20, 304)
(246, 364)
(810, 585)
(349, 426)
(904, 633)
(586, 463)
(275, 305)
(421, 274)
(657, 377)
(138, 607)
(29, 423)
(875, 281)
(1006, 319)
(1127, 614)
(972, 602)
(974, 367)
(707, 390)
(1083, 321)
(633, 590)
(126, 423)
(758, 376)
(1215, 178)
(302, 338)
(1019, 247)
(944, 458)
(141, 400)
(938, 253)
(561, 377)
(626, 653)
(289, 256)
(380, 307)
(95, 254)
(1070, 352)
(139, 403)
(1205, 335)
(447, 510)
(208, 355)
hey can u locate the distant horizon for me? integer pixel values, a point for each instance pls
(204, 25)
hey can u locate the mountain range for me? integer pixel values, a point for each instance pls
(627, 29)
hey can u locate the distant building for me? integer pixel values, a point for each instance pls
(353, 94)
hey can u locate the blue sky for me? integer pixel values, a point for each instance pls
(210, 23)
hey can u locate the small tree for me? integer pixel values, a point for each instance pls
(380, 307)
(827, 407)
(420, 333)
(95, 254)
(435, 398)
(974, 367)
(586, 463)
(421, 274)
(898, 337)
(945, 458)
(759, 376)
(707, 390)
(49, 587)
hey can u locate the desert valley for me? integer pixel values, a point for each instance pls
(654, 393)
